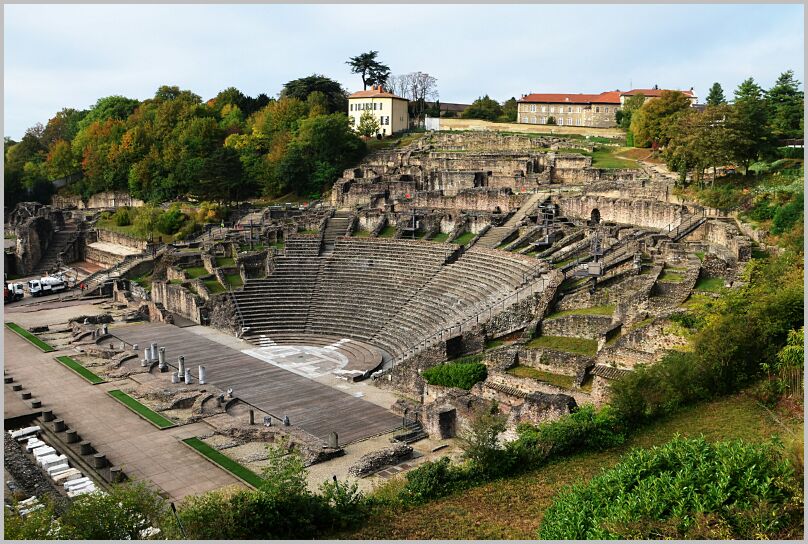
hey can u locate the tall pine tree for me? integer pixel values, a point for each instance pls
(716, 95)
(785, 103)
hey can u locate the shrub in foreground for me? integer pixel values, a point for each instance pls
(687, 488)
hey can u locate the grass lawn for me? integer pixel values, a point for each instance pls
(234, 280)
(440, 237)
(491, 344)
(214, 286)
(225, 262)
(76, 367)
(109, 224)
(242, 473)
(30, 337)
(559, 380)
(581, 346)
(513, 508)
(279, 245)
(361, 233)
(713, 285)
(607, 157)
(671, 277)
(143, 411)
(144, 281)
(309, 231)
(565, 262)
(464, 238)
(175, 282)
(387, 232)
(595, 310)
(197, 272)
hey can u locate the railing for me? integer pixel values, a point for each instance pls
(529, 288)
(238, 310)
(682, 226)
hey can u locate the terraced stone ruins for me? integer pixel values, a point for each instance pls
(509, 250)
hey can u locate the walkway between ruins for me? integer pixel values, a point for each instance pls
(143, 451)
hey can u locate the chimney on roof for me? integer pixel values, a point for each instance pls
(656, 87)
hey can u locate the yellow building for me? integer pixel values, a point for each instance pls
(390, 111)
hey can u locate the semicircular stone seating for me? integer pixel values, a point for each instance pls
(387, 293)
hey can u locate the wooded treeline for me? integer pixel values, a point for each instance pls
(175, 144)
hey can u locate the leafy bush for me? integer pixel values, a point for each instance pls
(788, 215)
(128, 512)
(432, 480)
(585, 429)
(123, 217)
(687, 489)
(169, 222)
(790, 152)
(480, 442)
(462, 375)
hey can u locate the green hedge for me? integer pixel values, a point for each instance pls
(143, 411)
(242, 473)
(686, 489)
(79, 369)
(30, 337)
(462, 375)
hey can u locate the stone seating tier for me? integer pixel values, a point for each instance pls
(389, 292)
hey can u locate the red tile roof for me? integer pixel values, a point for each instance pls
(608, 97)
(556, 98)
(375, 92)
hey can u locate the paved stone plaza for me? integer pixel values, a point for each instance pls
(143, 451)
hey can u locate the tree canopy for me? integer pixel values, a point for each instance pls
(716, 95)
(336, 99)
(371, 70)
(230, 147)
(653, 122)
(485, 108)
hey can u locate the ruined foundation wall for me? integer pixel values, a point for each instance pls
(643, 213)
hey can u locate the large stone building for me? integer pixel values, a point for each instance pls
(581, 110)
(389, 110)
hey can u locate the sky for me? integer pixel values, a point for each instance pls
(58, 56)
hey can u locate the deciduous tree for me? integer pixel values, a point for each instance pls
(368, 124)
(653, 122)
(483, 108)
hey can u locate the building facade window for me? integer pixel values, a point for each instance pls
(569, 109)
(533, 107)
(552, 109)
(533, 120)
(543, 120)
(561, 121)
(597, 109)
(544, 109)
(569, 121)
(524, 119)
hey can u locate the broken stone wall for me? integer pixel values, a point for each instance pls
(121, 239)
(643, 213)
(178, 300)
